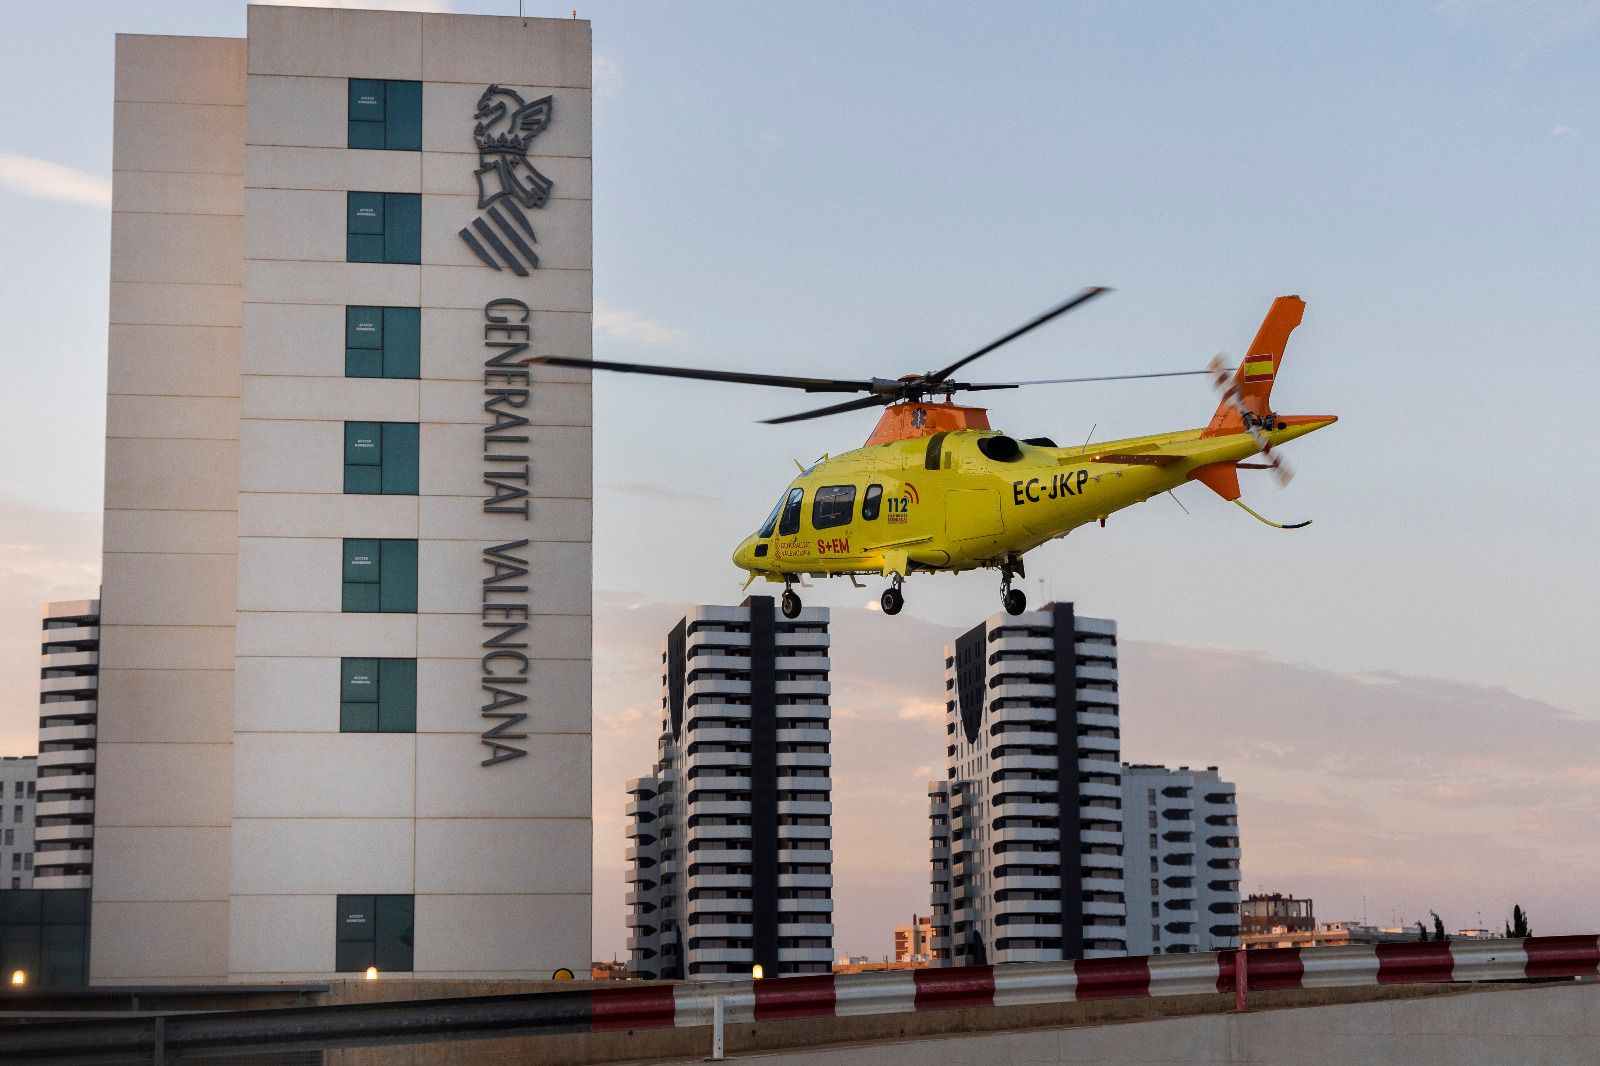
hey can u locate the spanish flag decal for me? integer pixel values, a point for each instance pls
(1258, 368)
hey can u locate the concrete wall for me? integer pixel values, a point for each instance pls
(165, 765)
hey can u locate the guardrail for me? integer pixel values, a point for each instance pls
(640, 1006)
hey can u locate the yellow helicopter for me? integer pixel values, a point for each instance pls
(936, 489)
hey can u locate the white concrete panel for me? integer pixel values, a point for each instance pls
(451, 173)
(281, 935)
(285, 514)
(295, 224)
(133, 784)
(166, 648)
(334, 399)
(168, 590)
(276, 633)
(310, 112)
(326, 855)
(507, 934)
(324, 775)
(188, 475)
(452, 344)
(211, 68)
(550, 51)
(550, 782)
(139, 303)
(184, 532)
(156, 360)
(152, 943)
(450, 576)
(361, 284)
(161, 249)
(452, 462)
(473, 286)
(550, 518)
(173, 417)
(182, 706)
(450, 696)
(278, 455)
(329, 42)
(189, 138)
(177, 194)
(548, 404)
(137, 863)
(305, 340)
(282, 695)
(563, 235)
(503, 854)
(290, 573)
(334, 169)
(448, 636)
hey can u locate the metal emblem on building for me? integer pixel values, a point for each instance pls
(507, 182)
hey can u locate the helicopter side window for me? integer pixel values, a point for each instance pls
(833, 506)
(772, 519)
(871, 502)
(789, 524)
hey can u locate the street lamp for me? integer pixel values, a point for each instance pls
(19, 977)
(755, 972)
(372, 973)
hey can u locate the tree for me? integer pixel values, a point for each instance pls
(1518, 925)
(1422, 932)
(1438, 928)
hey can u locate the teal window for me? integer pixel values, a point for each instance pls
(377, 695)
(380, 458)
(374, 931)
(386, 114)
(383, 227)
(382, 342)
(380, 576)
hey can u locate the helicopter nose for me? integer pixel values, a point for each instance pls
(744, 557)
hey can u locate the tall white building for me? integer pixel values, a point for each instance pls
(730, 854)
(344, 716)
(1181, 830)
(69, 691)
(16, 821)
(1030, 814)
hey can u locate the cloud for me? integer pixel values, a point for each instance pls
(380, 5)
(626, 326)
(1562, 131)
(609, 83)
(53, 181)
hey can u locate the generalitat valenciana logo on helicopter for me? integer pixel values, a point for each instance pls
(507, 182)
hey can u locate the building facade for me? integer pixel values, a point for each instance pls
(69, 694)
(1181, 846)
(913, 942)
(730, 860)
(1027, 828)
(1273, 912)
(16, 821)
(345, 647)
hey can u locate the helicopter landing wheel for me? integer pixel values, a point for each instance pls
(892, 600)
(1016, 602)
(791, 603)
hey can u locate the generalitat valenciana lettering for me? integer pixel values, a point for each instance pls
(505, 650)
(505, 395)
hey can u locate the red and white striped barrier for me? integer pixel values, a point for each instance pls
(693, 1003)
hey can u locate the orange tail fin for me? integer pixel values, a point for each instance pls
(1259, 368)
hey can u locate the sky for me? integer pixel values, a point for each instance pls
(1399, 690)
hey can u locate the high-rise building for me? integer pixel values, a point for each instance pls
(345, 638)
(69, 699)
(16, 822)
(913, 942)
(730, 860)
(1181, 847)
(1032, 802)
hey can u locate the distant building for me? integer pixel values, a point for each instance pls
(1329, 935)
(1026, 832)
(16, 821)
(1181, 846)
(69, 701)
(913, 942)
(1272, 912)
(608, 971)
(861, 964)
(730, 854)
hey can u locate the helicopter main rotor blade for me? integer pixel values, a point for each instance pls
(1083, 297)
(836, 409)
(1075, 381)
(783, 381)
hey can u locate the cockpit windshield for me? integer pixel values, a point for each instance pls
(772, 519)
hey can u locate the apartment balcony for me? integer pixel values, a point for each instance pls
(1099, 762)
(791, 783)
(1020, 643)
(1100, 790)
(720, 686)
(819, 759)
(804, 688)
(722, 807)
(1100, 836)
(1036, 738)
(726, 956)
(57, 859)
(716, 734)
(86, 661)
(1007, 763)
(1100, 696)
(1037, 882)
(45, 879)
(735, 835)
(805, 929)
(1105, 909)
(805, 880)
(718, 857)
(1022, 690)
(1102, 863)
(1051, 907)
(806, 808)
(807, 735)
(1103, 884)
(68, 757)
(1043, 717)
(85, 707)
(1031, 834)
(704, 905)
(50, 686)
(717, 760)
(1109, 745)
(809, 906)
(941, 896)
(64, 783)
(64, 734)
(70, 635)
(64, 808)
(1093, 718)
(788, 661)
(1095, 672)
(635, 808)
(78, 831)
(719, 661)
(642, 853)
(800, 855)
(721, 783)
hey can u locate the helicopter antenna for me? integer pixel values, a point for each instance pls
(1177, 501)
(1089, 438)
